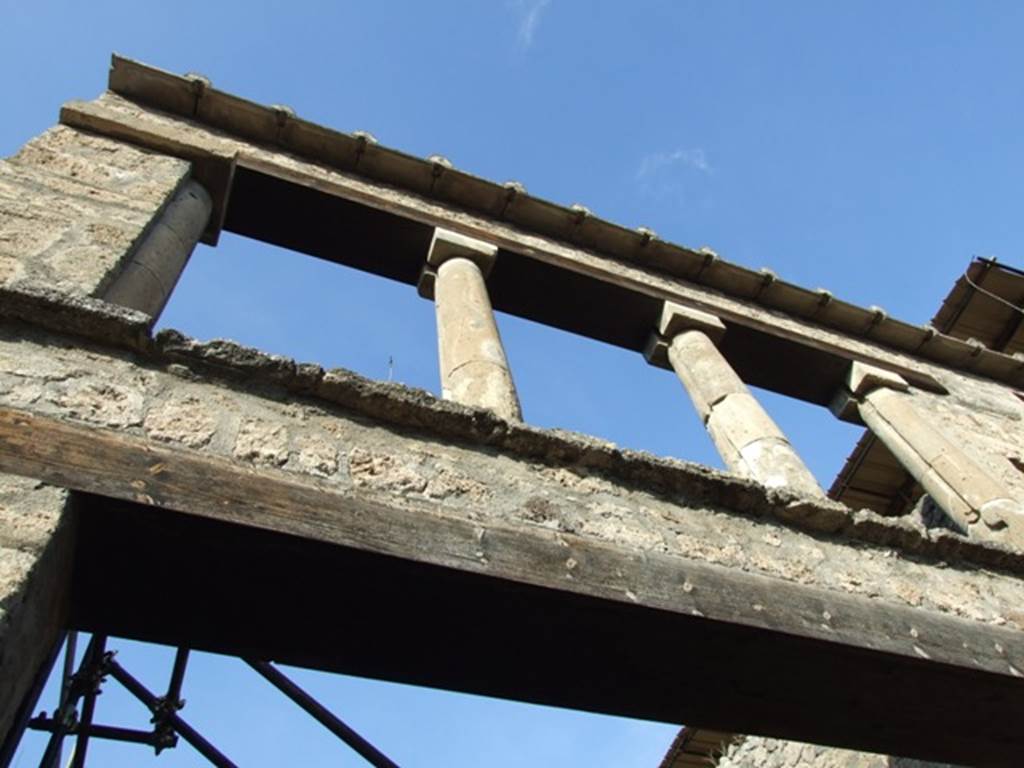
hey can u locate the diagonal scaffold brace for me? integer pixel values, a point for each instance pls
(85, 684)
(322, 715)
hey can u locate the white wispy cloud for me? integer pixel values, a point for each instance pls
(529, 13)
(657, 163)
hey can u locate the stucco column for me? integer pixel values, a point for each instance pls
(979, 502)
(474, 369)
(749, 441)
(147, 280)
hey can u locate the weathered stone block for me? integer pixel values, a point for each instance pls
(864, 378)
(675, 318)
(449, 245)
(74, 205)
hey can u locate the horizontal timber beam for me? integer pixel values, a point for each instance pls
(272, 131)
(388, 231)
(569, 621)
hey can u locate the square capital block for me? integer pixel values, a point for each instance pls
(675, 319)
(864, 378)
(447, 245)
(861, 380)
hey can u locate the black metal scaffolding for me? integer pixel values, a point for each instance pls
(77, 708)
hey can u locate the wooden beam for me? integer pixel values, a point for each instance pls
(585, 277)
(252, 128)
(268, 181)
(510, 610)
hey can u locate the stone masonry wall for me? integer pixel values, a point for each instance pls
(168, 398)
(72, 208)
(35, 560)
(756, 752)
(982, 415)
(73, 205)
(986, 420)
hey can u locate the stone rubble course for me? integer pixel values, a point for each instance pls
(757, 752)
(617, 496)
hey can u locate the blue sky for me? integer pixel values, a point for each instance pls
(870, 148)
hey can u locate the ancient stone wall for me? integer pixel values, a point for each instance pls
(36, 531)
(756, 752)
(655, 505)
(753, 752)
(981, 414)
(987, 420)
(74, 205)
(73, 208)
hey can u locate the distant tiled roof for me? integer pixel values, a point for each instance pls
(985, 306)
(697, 748)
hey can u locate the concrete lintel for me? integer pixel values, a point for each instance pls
(539, 223)
(290, 171)
(676, 318)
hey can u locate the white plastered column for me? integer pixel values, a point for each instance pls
(748, 440)
(474, 368)
(969, 494)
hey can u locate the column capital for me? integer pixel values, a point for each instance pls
(445, 245)
(863, 379)
(473, 365)
(676, 319)
(451, 245)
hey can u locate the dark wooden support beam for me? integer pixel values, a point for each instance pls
(287, 567)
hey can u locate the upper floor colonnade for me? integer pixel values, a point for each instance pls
(130, 452)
